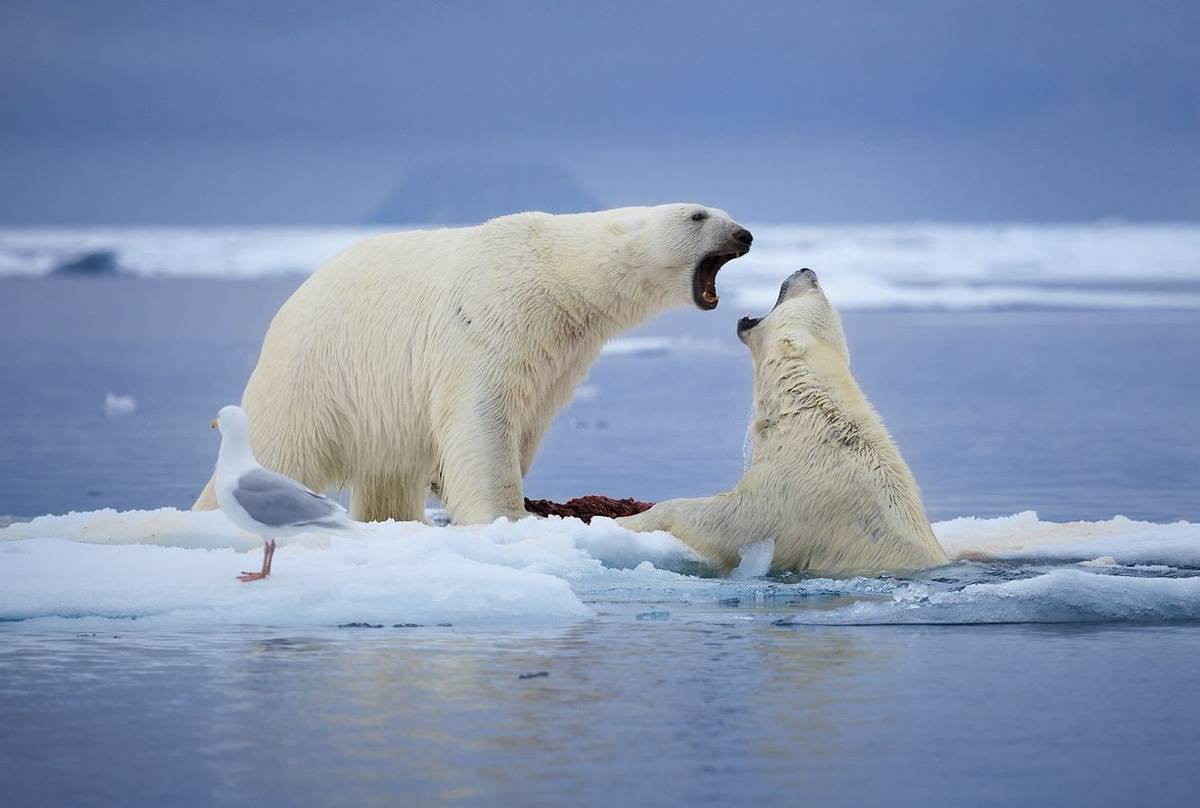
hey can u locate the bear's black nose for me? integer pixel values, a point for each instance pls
(743, 235)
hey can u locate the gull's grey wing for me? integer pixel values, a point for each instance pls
(278, 501)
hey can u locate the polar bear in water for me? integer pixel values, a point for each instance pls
(439, 357)
(826, 482)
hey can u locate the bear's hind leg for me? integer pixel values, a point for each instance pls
(378, 500)
(207, 501)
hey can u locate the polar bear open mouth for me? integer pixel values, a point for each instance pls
(749, 321)
(704, 277)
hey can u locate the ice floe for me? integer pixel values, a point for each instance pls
(178, 566)
(1023, 536)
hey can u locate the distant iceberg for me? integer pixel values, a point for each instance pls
(468, 192)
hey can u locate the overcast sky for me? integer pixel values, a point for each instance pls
(245, 112)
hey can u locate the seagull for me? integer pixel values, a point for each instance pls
(262, 501)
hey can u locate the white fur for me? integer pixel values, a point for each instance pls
(440, 356)
(825, 481)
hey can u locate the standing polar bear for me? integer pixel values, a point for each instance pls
(825, 482)
(439, 357)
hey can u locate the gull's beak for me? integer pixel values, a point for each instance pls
(214, 423)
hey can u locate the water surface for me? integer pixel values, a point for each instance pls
(675, 692)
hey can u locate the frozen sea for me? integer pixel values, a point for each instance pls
(1042, 382)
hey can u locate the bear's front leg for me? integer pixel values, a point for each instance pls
(481, 469)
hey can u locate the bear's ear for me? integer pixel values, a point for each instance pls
(628, 224)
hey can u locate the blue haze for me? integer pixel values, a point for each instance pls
(142, 112)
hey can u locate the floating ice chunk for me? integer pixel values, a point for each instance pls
(1060, 596)
(662, 346)
(381, 579)
(1023, 536)
(614, 546)
(638, 346)
(1102, 561)
(165, 527)
(119, 405)
(586, 392)
(756, 560)
(395, 573)
(1154, 568)
(171, 564)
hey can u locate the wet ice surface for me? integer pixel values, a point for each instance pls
(1054, 656)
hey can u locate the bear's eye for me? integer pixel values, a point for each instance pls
(699, 216)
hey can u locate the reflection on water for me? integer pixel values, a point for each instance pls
(707, 706)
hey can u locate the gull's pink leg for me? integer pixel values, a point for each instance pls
(268, 551)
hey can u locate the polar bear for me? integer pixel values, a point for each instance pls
(439, 357)
(825, 481)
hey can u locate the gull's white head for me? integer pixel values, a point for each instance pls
(235, 438)
(231, 420)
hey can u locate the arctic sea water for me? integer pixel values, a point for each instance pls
(1040, 381)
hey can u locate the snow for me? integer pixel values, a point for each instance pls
(178, 567)
(1024, 537)
(181, 565)
(1102, 265)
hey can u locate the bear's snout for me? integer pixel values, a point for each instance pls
(743, 235)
